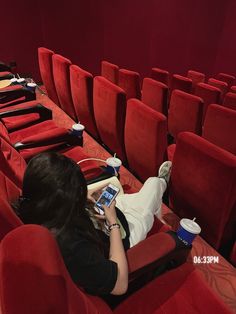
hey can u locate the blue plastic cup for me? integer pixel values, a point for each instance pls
(188, 230)
(77, 129)
(112, 163)
(31, 86)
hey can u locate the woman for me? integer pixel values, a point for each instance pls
(55, 195)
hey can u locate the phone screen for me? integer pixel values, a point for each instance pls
(107, 197)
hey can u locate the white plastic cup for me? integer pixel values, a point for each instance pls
(31, 86)
(77, 129)
(113, 162)
(188, 230)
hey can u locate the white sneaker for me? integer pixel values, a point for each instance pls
(165, 170)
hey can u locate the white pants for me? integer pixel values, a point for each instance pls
(139, 208)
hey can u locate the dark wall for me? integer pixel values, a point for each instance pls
(173, 34)
(21, 34)
(226, 52)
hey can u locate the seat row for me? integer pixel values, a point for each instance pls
(214, 91)
(21, 233)
(138, 134)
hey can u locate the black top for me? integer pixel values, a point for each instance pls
(88, 266)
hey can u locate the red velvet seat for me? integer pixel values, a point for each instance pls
(45, 67)
(155, 95)
(110, 71)
(109, 103)
(185, 113)
(220, 127)
(203, 185)
(160, 75)
(52, 291)
(12, 162)
(233, 89)
(227, 78)
(15, 94)
(145, 139)
(196, 77)
(8, 219)
(182, 83)
(209, 95)
(61, 75)
(82, 94)
(6, 75)
(129, 81)
(230, 101)
(223, 87)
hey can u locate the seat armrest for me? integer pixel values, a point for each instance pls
(44, 113)
(156, 250)
(12, 93)
(58, 136)
(6, 75)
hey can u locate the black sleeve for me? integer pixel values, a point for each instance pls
(89, 268)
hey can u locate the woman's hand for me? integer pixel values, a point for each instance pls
(94, 191)
(109, 214)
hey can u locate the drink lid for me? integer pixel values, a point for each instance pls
(31, 84)
(78, 127)
(190, 225)
(20, 80)
(114, 162)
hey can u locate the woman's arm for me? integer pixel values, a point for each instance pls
(117, 252)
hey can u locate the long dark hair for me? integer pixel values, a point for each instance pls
(54, 195)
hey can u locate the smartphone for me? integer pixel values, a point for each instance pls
(106, 198)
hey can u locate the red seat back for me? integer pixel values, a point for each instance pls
(209, 95)
(203, 185)
(110, 71)
(39, 285)
(227, 78)
(45, 67)
(155, 94)
(61, 75)
(220, 127)
(9, 193)
(233, 89)
(160, 75)
(145, 139)
(11, 163)
(109, 109)
(223, 87)
(196, 77)
(185, 113)
(129, 81)
(182, 83)
(230, 101)
(82, 94)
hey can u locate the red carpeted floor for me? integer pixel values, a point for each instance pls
(220, 276)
